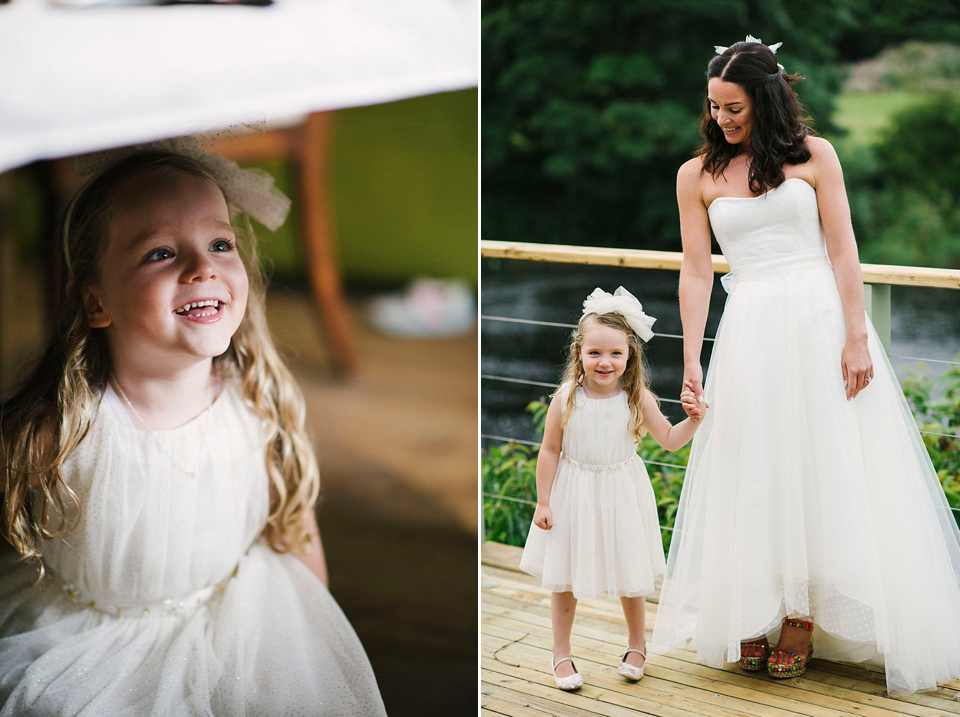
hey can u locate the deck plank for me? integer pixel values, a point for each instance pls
(813, 690)
(516, 640)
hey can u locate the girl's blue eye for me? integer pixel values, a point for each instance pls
(159, 254)
(222, 245)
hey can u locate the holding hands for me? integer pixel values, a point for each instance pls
(691, 398)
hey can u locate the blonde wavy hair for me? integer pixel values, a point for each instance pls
(633, 381)
(45, 420)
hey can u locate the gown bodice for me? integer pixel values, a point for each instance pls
(163, 513)
(597, 431)
(781, 225)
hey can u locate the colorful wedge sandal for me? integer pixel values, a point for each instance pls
(798, 665)
(754, 663)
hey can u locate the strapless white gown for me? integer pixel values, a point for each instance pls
(796, 501)
(165, 601)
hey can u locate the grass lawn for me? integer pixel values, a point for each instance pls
(866, 114)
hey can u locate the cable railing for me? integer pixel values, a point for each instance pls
(878, 279)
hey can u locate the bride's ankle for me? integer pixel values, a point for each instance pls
(799, 627)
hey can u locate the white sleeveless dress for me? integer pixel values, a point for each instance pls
(605, 536)
(165, 600)
(796, 501)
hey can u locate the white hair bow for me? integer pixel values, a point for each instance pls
(250, 190)
(621, 302)
(750, 38)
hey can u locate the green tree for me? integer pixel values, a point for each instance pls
(880, 23)
(908, 207)
(589, 106)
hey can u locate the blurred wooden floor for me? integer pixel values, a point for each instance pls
(515, 667)
(398, 514)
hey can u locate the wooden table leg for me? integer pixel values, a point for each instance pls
(318, 241)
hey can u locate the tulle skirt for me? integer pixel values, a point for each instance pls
(798, 502)
(605, 536)
(272, 642)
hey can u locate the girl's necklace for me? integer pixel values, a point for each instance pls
(189, 471)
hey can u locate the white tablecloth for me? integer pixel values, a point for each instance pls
(78, 80)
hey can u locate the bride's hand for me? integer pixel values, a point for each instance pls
(693, 380)
(857, 367)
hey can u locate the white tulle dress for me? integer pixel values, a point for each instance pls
(796, 501)
(605, 536)
(165, 600)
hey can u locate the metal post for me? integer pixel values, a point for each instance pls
(876, 298)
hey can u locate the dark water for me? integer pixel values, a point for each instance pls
(925, 323)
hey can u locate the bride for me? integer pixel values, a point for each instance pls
(811, 515)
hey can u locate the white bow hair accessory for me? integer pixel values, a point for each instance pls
(620, 302)
(750, 38)
(251, 190)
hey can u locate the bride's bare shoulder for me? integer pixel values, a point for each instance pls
(691, 169)
(690, 176)
(820, 148)
(823, 163)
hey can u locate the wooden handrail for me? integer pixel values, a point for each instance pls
(649, 259)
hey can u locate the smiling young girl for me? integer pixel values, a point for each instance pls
(595, 529)
(158, 484)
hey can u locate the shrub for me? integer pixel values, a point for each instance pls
(909, 211)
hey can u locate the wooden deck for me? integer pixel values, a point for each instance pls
(515, 666)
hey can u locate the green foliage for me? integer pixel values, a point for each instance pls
(865, 115)
(508, 476)
(920, 147)
(908, 187)
(882, 23)
(590, 107)
(920, 67)
(667, 482)
(939, 415)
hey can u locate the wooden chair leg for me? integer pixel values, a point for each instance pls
(318, 238)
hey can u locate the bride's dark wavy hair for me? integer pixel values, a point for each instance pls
(779, 124)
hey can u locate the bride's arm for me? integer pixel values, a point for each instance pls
(696, 273)
(855, 361)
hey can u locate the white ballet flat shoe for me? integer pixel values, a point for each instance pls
(629, 671)
(570, 682)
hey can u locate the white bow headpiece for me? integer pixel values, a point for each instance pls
(750, 38)
(250, 190)
(624, 303)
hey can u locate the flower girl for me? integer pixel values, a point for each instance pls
(595, 528)
(158, 484)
